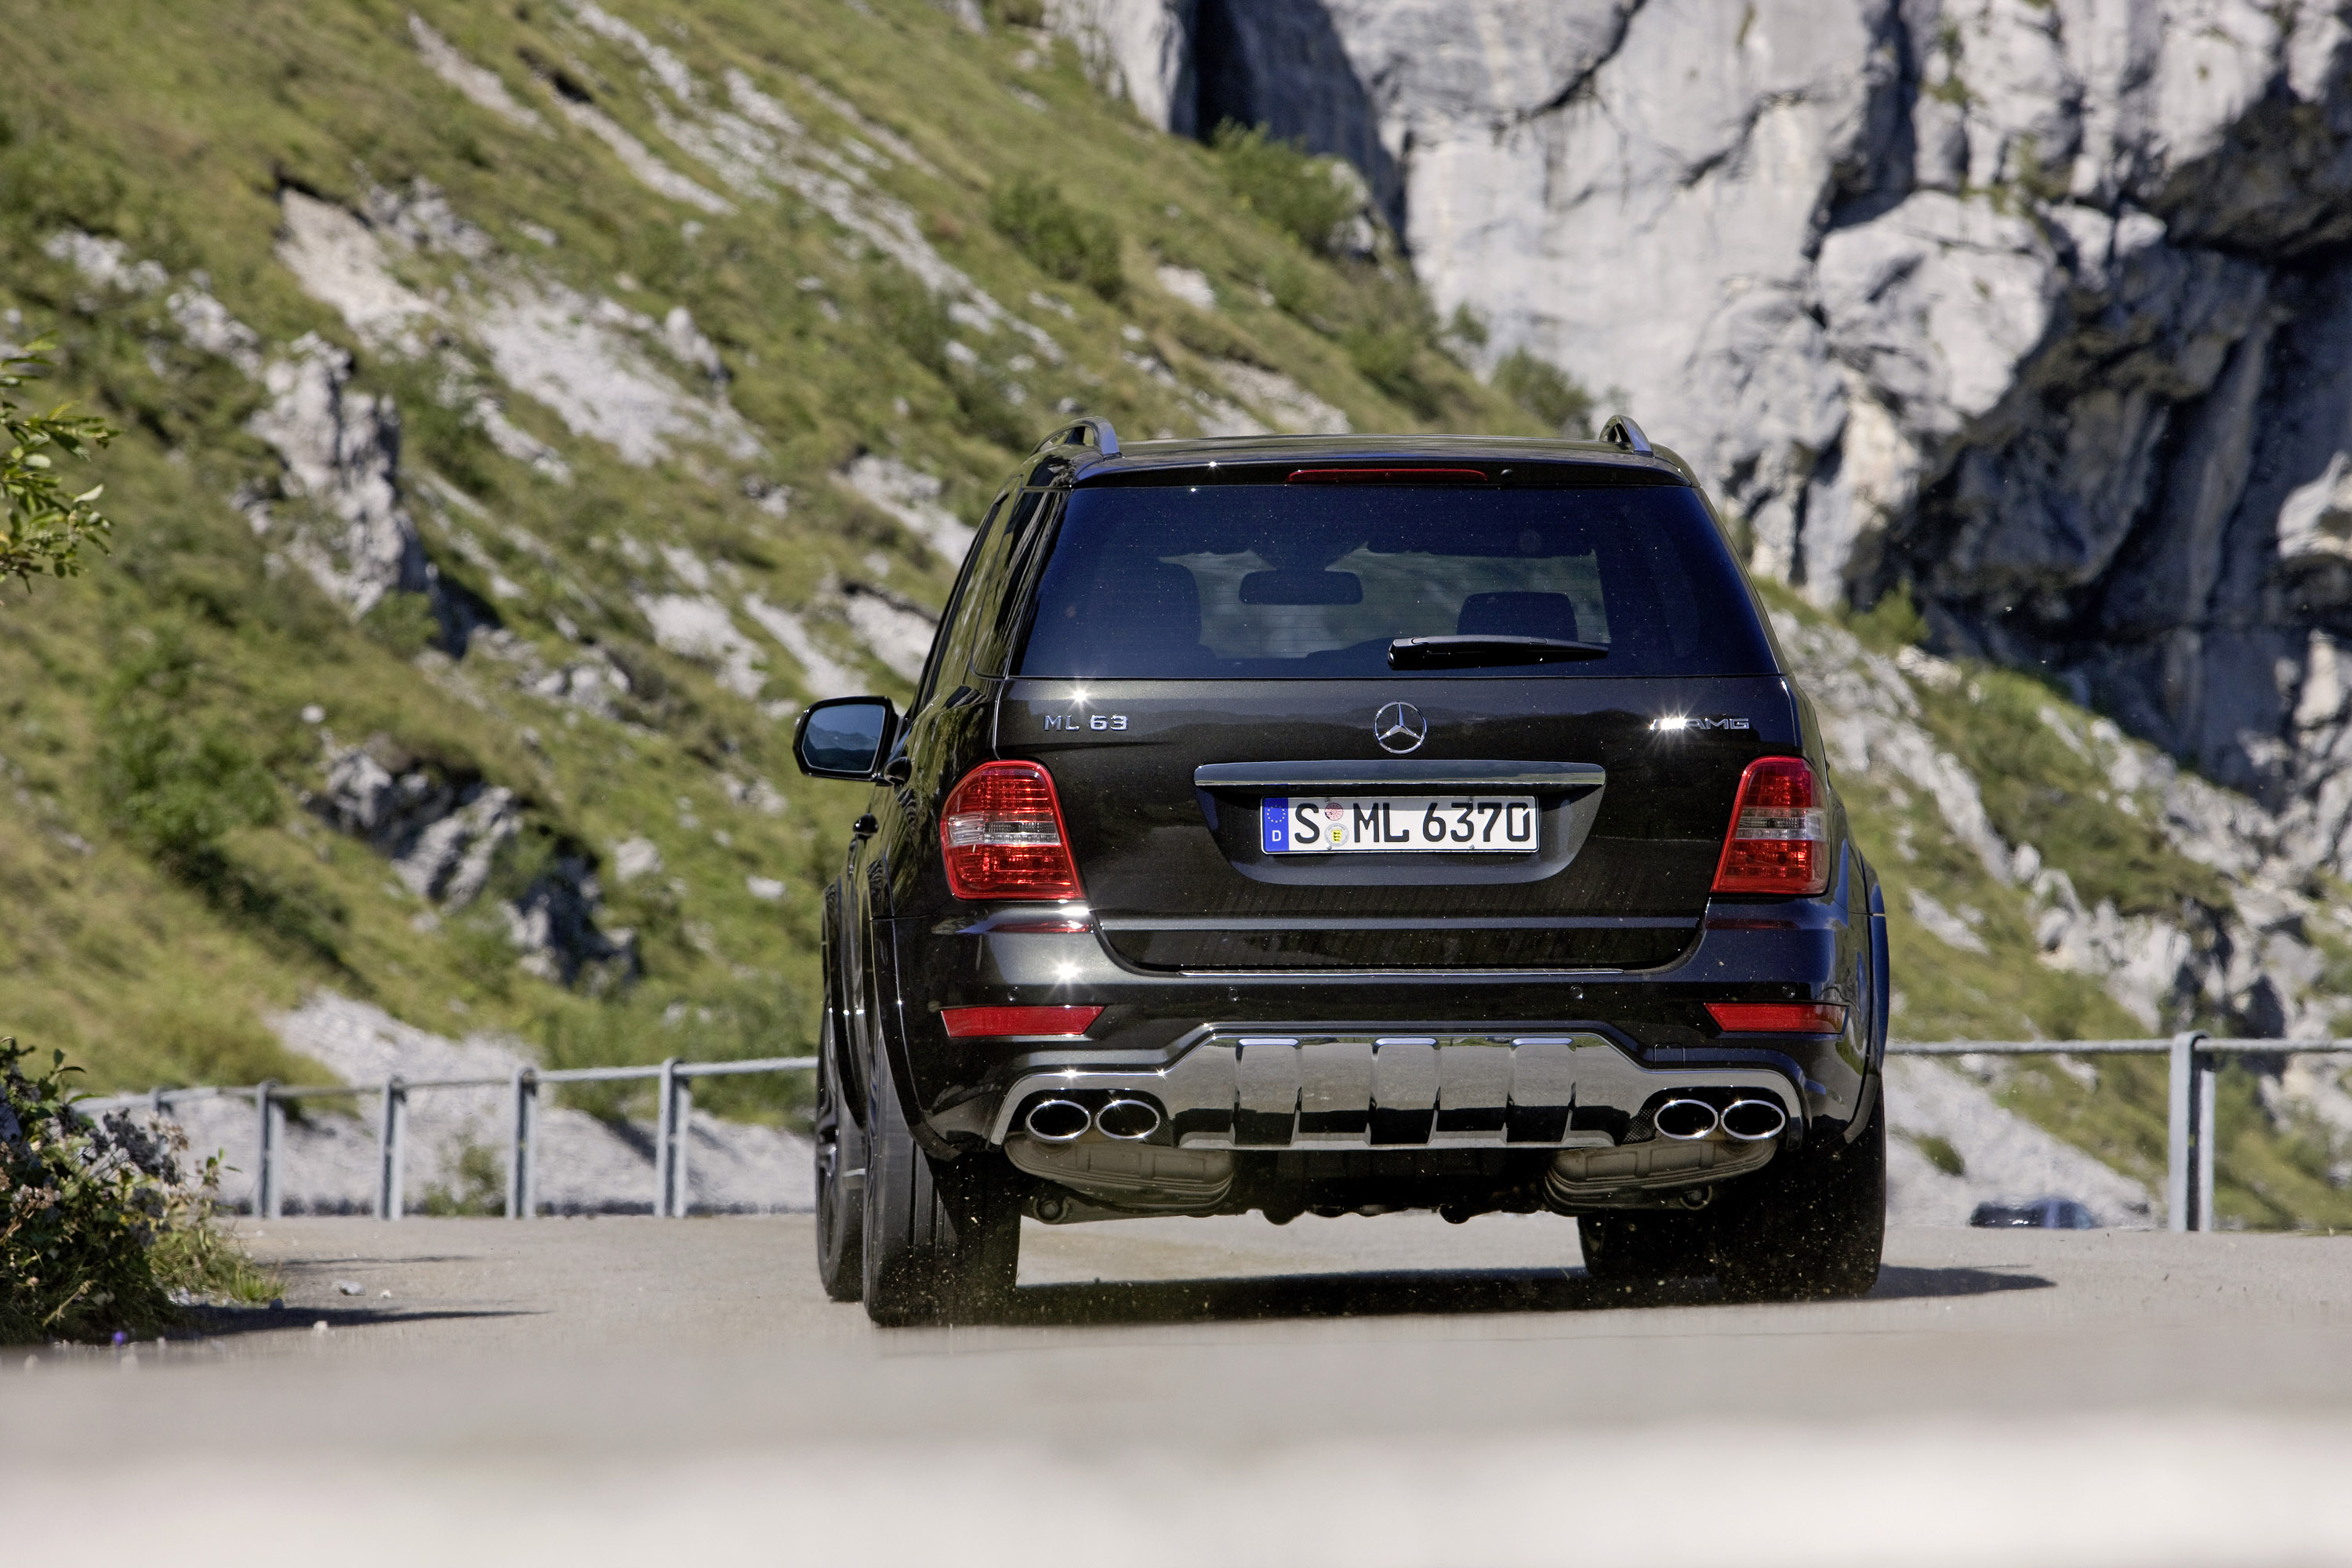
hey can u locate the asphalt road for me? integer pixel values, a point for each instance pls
(1359, 1391)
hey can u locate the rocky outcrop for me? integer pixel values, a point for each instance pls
(2036, 306)
(443, 831)
(341, 451)
(552, 924)
(335, 507)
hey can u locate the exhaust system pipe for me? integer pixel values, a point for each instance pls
(1057, 1120)
(1128, 1120)
(1684, 1120)
(1753, 1120)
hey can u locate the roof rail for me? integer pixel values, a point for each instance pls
(1620, 431)
(1090, 430)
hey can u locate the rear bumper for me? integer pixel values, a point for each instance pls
(1357, 1087)
(964, 1093)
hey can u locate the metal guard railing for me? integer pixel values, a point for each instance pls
(674, 1101)
(2195, 1059)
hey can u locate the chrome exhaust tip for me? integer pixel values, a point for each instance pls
(1684, 1120)
(1057, 1120)
(1129, 1120)
(1753, 1120)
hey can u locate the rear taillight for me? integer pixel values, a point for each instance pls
(1779, 838)
(1778, 1017)
(1001, 831)
(975, 1023)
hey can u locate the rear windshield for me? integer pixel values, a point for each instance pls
(1316, 580)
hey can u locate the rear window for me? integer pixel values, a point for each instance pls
(1316, 580)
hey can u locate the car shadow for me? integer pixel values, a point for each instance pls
(1402, 1293)
(230, 1322)
(1898, 1283)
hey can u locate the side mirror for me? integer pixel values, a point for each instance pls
(845, 737)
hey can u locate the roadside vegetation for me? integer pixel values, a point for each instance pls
(102, 1229)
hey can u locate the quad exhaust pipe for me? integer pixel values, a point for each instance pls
(1745, 1120)
(1684, 1120)
(1058, 1121)
(1066, 1121)
(1753, 1120)
(1128, 1120)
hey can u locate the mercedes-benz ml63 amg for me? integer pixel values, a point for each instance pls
(1331, 826)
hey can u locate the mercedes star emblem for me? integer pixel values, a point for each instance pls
(1398, 727)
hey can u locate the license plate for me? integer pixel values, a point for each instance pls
(1319, 825)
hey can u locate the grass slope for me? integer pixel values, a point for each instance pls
(175, 131)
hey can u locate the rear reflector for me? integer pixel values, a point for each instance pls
(971, 1023)
(1387, 476)
(1778, 842)
(1779, 1017)
(1001, 834)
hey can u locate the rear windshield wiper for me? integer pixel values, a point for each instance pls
(1467, 652)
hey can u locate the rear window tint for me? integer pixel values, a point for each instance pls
(1315, 581)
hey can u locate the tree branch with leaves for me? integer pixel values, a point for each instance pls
(46, 527)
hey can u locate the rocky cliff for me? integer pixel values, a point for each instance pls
(2039, 307)
(2038, 312)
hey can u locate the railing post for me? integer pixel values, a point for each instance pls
(664, 1154)
(523, 1196)
(2181, 1188)
(682, 1121)
(2208, 1073)
(390, 1137)
(268, 1121)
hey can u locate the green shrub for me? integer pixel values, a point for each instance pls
(404, 623)
(1465, 329)
(1546, 391)
(42, 527)
(1895, 622)
(178, 786)
(915, 319)
(1299, 293)
(1390, 358)
(480, 1187)
(1301, 195)
(177, 790)
(912, 317)
(1064, 242)
(101, 1232)
(1015, 13)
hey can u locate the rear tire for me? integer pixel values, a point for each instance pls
(942, 1242)
(840, 1181)
(1810, 1226)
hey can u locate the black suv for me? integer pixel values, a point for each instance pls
(1329, 825)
